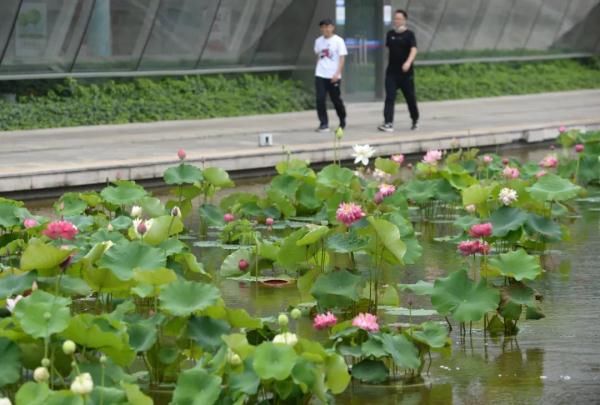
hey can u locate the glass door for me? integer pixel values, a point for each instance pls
(363, 31)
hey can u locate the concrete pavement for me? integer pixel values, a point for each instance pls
(66, 157)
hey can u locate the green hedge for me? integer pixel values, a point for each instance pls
(44, 104)
(71, 103)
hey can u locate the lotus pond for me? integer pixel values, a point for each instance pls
(466, 278)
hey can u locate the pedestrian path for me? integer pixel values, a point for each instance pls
(66, 157)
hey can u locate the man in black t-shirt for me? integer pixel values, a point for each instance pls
(402, 47)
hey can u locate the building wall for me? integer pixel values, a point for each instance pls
(58, 38)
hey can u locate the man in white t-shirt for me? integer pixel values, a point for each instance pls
(331, 54)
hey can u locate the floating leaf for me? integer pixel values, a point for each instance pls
(420, 287)
(518, 265)
(431, 334)
(274, 361)
(182, 298)
(462, 298)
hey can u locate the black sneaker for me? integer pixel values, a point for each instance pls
(414, 125)
(322, 129)
(388, 127)
(343, 124)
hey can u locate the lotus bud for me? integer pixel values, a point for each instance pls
(228, 217)
(34, 286)
(109, 227)
(136, 211)
(269, 221)
(69, 347)
(176, 212)
(41, 374)
(46, 362)
(243, 265)
(579, 148)
(233, 358)
(296, 313)
(142, 228)
(103, 359)
(181, 154)
(283, 320)
(82, 384)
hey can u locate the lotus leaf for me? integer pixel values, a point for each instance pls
(518, 265)
(182, 298)
(464, 299)
(42, 314)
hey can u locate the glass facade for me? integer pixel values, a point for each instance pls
(59, 38)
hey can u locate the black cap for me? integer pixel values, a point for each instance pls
(326, 21)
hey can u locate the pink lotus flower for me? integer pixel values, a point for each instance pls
(432, 157)
(349, 213)
(505, 161)
(243, 264)
(30, 223)
(541, 173)
(323, 321)
(181, 154)
(60, 229)
(378, 198)
(579, 148)
(481, 230)
(228, 217)
(472, 247)
(511, 172)
(562, 129)
(366, 322)
(549, 161)
(387, 190)
(398, 158)
(269, 221)
(487, 159)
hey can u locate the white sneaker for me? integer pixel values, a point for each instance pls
(386, 127)
(322, 129)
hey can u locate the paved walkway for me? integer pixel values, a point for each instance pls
(56, 158)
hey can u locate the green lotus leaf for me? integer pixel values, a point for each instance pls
(387, 165)
(507, 219)
(32, 393)
(162, 228)
(239, 318)
(389, 234)
(102, 333)
(518, 265)
(273, 360)
(135, 396)
(457, 176)
(67, 285)
(290, 254)
(466, 222)
(8, 215)
(246, 382)
(182, 174)
(217, 177)
(10, 366)
(197, 387)
(42, 314)
(431, 334)
(231, 264)
(13, 284)
(464, 299)
(315, 234)
(554, 188)
(282, 202)
(305, 374)
(42, 257)
(346, 242)
(414, 250)
(336, 289)
(402, 350)
(70, 204)
(420, 191)
(545, 227)
(66, 397)
(123, 193)
(143, 334)
(476, 194)
(514, 297)
(155, 277)
(211, 215)
(307, 199)
(124, 257)
(370, 371)
(104, 280)
(207, 331)
(331, 179)
(121, 222)
(373, 347)
(288, 185)
(297, 168)
(337, 376)
(182, 298)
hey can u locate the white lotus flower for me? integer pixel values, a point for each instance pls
(381, 175)
(142, 227)
(362, 154)
(41, 374)
(12, 302)
(82, 384)
(507, 196)
(5, 401)
(136, 211)
(286, 338)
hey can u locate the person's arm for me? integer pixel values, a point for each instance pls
(411, 58)
(338, 73)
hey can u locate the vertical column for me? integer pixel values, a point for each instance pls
(99, 32)
(380, 53)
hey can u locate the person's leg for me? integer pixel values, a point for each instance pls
(407, 85)
(390, 99)
(335, 94)
(321, 93)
